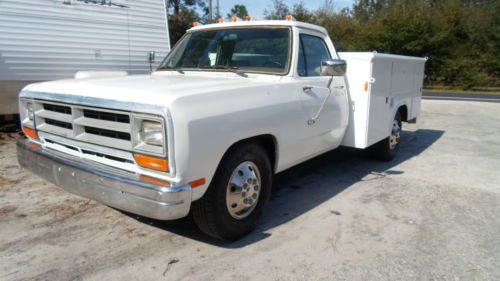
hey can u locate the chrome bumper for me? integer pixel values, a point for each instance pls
(111, 187)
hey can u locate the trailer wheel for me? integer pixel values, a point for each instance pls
(235, 199)
(387, 149)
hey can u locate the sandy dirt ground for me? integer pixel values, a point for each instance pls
(431, 214)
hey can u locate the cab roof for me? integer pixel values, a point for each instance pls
(270, 23)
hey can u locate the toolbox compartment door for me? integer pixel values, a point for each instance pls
(379, 105)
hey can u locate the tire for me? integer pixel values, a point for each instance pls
(218, 212)
(388, 148)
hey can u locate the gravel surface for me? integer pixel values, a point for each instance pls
(431, 214)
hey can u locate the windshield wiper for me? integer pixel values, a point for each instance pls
(178, 69)
(233, 69)
(174, 68)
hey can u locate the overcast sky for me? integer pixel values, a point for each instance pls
(256, 7)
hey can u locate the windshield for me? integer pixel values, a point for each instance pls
(264, 50)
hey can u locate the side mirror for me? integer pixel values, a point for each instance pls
(151, 57)
(333, 68)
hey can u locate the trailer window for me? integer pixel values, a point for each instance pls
(312, 51)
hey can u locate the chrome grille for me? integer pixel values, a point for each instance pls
(93, 125)
(106, 116)
(107, 133)
(57, 123)
(57, 108)
(119, 159)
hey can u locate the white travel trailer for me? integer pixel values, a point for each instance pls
(43, 40)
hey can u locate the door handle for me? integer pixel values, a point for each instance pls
(339, 87)
(307, 89)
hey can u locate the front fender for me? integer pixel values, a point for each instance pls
(207, 126)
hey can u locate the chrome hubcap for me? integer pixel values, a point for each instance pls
(243, 190)
(395, 135)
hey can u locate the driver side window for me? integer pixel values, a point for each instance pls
(312, 51)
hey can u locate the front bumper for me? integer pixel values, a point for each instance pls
(109, 186)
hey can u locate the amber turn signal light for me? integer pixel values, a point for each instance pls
(198, 182)
(32, 134)
(150, 162)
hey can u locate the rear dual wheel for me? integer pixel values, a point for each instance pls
(235, 199)
(387, 149)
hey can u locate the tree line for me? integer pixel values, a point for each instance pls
(460, 37)
(183, 13)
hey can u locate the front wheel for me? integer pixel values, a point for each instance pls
(387, 149)
(235, 199)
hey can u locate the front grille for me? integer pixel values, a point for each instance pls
(57, 108)
(107, 133)
(58, 123)
(106, 156)
(109, 128)
(65, 145)
(116, 158)
(107, 116)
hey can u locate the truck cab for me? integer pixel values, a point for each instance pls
(229, 107)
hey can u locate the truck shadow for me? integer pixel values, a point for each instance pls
(303, 187)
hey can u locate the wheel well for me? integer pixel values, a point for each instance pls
(268, 142)
(404, 113)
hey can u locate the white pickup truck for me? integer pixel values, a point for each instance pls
(231, 105)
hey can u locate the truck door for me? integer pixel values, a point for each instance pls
(327, 131)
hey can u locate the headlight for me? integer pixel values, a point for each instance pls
(27, 113)
(29, 108)
(149, 134)
(152, 133)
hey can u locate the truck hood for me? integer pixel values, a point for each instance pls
(157, 89)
